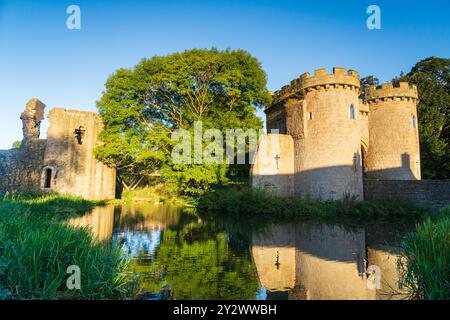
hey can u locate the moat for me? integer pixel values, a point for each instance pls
(177, 255)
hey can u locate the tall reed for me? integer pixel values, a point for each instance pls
(425, 261)
(36, 248)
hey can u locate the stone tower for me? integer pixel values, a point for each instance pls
(321, 114)
(393, 133)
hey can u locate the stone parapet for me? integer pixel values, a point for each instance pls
(387, 91)
(340, 78)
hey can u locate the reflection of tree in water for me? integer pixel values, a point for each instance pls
(197, 262)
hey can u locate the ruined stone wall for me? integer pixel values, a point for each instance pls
(20, 169)
(75, 170)
(426, 193)
(394, 138)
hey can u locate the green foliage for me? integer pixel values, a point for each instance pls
(36, 247)
(17, 144)
(155, 193)
(432, 77)
(425, 261)
(366, 82)
(250, 202)
(59, 207)
(143, 105)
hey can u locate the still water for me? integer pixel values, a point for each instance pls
(177, 255)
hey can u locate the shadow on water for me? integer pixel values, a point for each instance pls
(177, 255)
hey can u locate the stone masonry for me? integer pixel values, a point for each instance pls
(339, 141)
(64, 162)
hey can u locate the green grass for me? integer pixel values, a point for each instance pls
(36, 248)
(155, 193)
(245, 201)
(425, 261)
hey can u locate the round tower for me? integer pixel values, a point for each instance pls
(394, 152)
(322, 116)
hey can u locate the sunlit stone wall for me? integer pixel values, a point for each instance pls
(77, 171)
(273, 169)
(394, 135)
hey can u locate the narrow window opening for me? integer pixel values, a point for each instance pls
(352, 112)
(310, 116)
(413, 121)
(48, 178)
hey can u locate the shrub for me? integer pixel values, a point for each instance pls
(246, 201)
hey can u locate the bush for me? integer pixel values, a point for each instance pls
(246, 201)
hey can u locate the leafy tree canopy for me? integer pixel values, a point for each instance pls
(141, 106)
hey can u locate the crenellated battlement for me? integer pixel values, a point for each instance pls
(388, 91)
(321, 79)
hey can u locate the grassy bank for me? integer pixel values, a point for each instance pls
(36, 248)
(155, 194)
(246, 201)
(425, 261)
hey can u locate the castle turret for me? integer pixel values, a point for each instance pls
(321, 113)
(394, 152)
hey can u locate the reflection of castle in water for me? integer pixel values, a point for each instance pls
(100, 221)
(323, 262)
(137, 226)
(302, 261)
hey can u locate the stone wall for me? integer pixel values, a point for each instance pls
(273, 169)
(20, 169)
(426, 193)
(75, 170)
(65, 162)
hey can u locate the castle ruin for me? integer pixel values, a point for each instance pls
(63, 163)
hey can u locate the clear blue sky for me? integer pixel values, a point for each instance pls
(40, 57)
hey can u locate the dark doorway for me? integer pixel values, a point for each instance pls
(48, 178)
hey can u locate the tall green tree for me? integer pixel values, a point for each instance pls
(432, 77)
(141, 106)
(366, 82)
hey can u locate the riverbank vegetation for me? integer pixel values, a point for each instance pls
(156, 193)
(36, 248)
(245, 201)
(425, 260)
